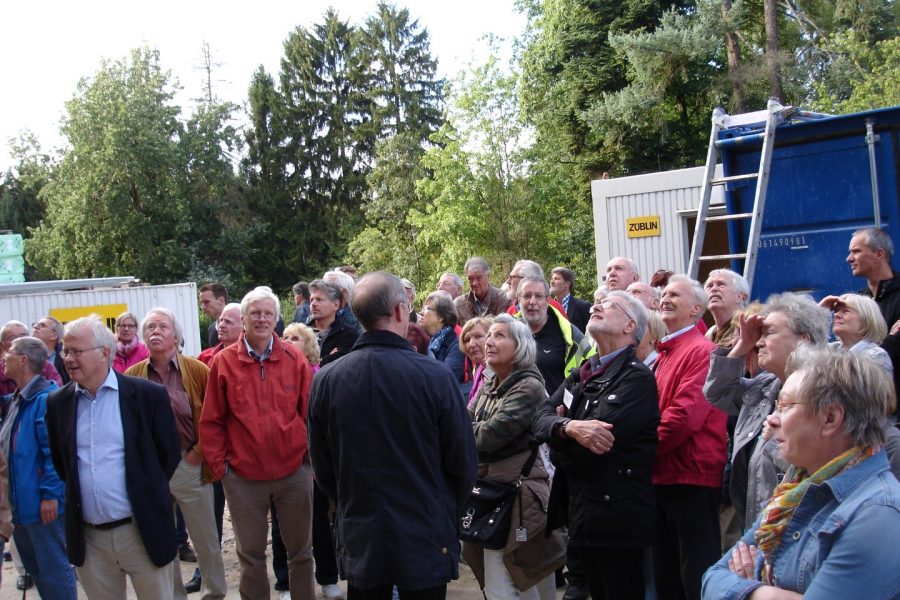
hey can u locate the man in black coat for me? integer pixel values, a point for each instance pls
(601, 427)
(562, 282)
(114, 442)
(391, 443)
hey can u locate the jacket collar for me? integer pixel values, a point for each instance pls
(885, 287)
(381, 337)
(278, 350)
(34, 387)
(624, 357)
(684, 338)
(846, 483)
(515, 377)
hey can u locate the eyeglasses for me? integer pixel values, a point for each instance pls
(261, 316)
(126, 326)
(67, 352)
(39, 325)
(529, 296)
(609, 304)
(783, 407)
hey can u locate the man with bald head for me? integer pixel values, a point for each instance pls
(620, 273)
(646, 293)
(450, 283)
(229, 328)
(383, 414)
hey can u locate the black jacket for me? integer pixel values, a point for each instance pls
(338, 342)
(607, 499)
(391, 443)
(579, 313)
(888, 300)
(152, 452)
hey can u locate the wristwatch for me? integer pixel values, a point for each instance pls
(561, 427)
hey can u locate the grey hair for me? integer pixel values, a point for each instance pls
(34, 351)
(262, 292)
(127, 315)
(101, 336)
(637, 310)
(739, 282)
(476, 263)
(57, 328)
(529, 268)
(456, 278)
(855, 383)
(877, 239)
(631, 264)
(803, 314)
(230, 306)
(442, 304)
(526, 349)
(10, 324)
(700, 296)
(161, 310)
(332, 291)
(343, 281)
(874, 328)
(540, 280)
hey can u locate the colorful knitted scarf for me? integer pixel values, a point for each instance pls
(787, 496)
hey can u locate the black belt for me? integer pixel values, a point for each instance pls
(110, 525)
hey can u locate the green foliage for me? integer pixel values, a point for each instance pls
(870, 74)
(21, 204)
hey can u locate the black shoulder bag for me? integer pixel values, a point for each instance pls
(487, 514)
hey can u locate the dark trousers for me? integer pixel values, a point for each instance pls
(687, 540)
(612, 573)
(279, 554)
(323, 543)
(575, 567)
(383, 592)
(218, 506)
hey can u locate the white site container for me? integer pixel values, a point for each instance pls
(108, 302)
(669, 201)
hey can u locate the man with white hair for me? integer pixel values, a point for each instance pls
(727, 292)
(253, 427)
(185, 381)
(114, 443)
(620, 273)
(450, 283)
(687, 473)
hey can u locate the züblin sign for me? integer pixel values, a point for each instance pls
(642, 226)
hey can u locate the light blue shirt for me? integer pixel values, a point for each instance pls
(101, 453)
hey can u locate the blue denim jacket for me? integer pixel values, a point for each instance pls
(840, 543)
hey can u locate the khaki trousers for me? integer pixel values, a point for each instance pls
(248, 504)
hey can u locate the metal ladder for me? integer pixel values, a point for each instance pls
(774, 115)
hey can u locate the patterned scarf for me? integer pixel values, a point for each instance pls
(787, 496)
(124, 350)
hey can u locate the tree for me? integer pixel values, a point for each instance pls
(21, 204)
(400, 74)
(114, 205)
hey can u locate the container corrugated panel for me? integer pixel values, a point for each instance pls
(673, 195)
(180, 298)
(12, 264)
(819, 192)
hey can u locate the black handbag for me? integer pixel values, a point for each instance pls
(486, 517)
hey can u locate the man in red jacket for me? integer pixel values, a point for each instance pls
(690, 457)
(253, 427)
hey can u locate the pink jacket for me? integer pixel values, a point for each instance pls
(139, 353)
(692, 439)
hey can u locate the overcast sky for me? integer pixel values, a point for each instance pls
(46, 47)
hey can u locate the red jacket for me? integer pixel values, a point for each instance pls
(254, 414)
(692, 444)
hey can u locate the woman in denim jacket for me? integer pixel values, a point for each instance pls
(830, 528)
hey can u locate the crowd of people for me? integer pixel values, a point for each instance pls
(651, 456)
